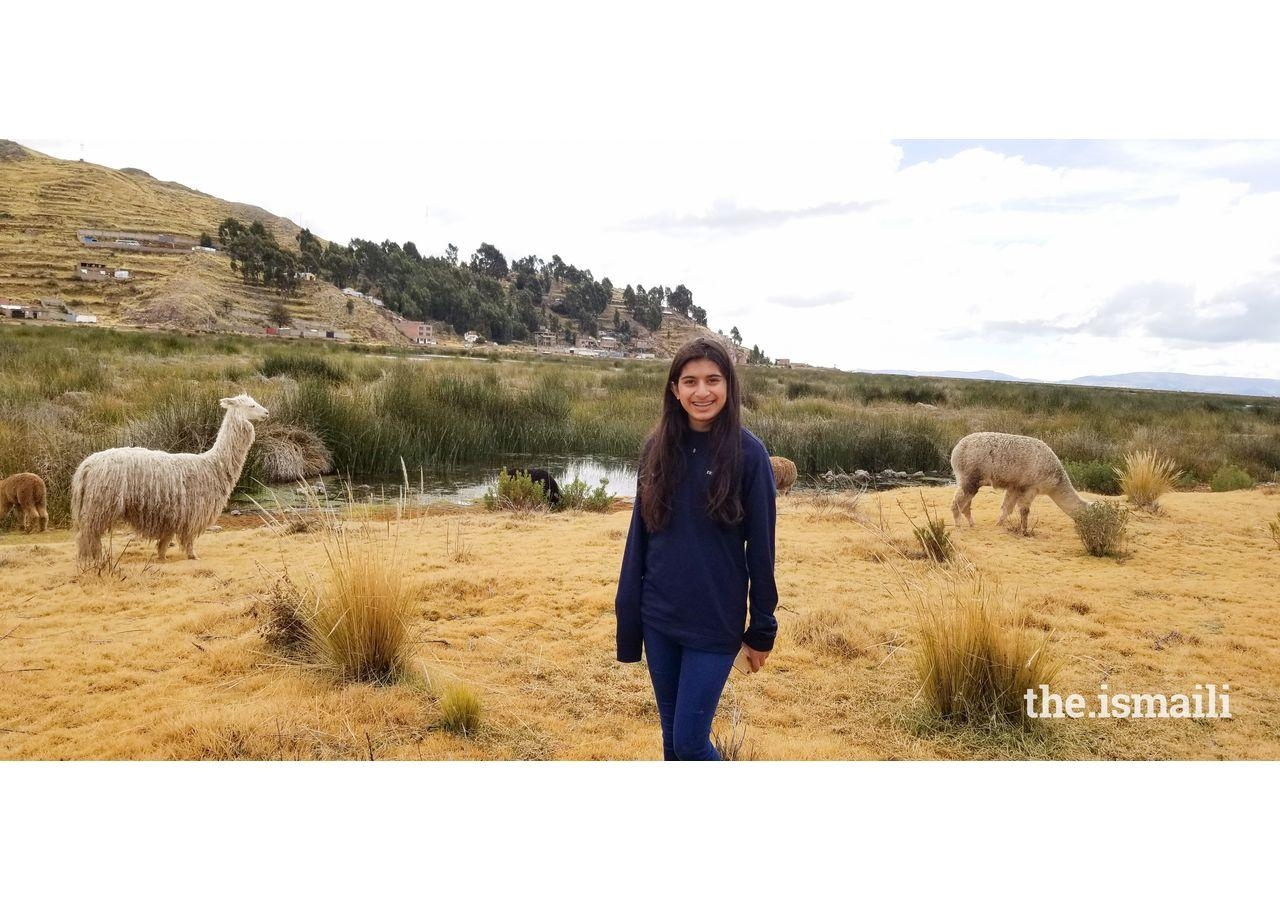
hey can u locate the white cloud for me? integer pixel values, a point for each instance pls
(721, 155)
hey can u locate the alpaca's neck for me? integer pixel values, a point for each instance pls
(229, 451)
(1067, 499)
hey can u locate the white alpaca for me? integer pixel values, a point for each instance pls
(162, 495)
(1024, 466)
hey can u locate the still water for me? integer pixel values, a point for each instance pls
(459, 484)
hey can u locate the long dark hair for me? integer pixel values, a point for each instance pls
(662, 463)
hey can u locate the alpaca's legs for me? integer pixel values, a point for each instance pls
(1024, 506)
(44, 518)
(5, 506)
(162, 546)
(189, 545)
(1006, 506)
(89, 545)
(961, 503)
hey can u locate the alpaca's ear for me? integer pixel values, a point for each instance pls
(226, 402)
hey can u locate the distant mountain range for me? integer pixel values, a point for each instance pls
(1151, 381)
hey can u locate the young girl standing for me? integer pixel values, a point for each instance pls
(697, 575)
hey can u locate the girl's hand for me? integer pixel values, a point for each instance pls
(755, 658)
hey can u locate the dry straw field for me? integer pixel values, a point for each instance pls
(510, 629)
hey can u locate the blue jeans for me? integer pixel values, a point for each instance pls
(687, 684)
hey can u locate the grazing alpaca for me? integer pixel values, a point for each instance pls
(25, 491)
(784, 473)
(162, 495)
(542, 477)
(1024, 466)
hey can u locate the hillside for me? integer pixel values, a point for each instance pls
(44, 201)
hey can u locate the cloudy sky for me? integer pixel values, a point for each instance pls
(677, 150)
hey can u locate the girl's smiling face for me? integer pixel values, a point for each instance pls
(702, 391)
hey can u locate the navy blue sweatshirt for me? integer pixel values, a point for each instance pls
(695, 580)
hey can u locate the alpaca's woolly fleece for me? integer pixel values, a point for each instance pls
(162, 495)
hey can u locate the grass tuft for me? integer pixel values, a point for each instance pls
(1102, 527)
(284, 616)
(359, 628)
(286, 453)
(932, 537)
(1274, 527)
(1145, 477)
(732, 745)
(828, 632)
(460, 709)
(977, 656)
(299, 366)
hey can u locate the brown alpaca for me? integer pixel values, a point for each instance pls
(25, 490)
(784, 473)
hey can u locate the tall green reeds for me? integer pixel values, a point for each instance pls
(70, 391)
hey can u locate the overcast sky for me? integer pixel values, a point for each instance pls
(757, 160)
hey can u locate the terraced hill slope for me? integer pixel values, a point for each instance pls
(44, 200)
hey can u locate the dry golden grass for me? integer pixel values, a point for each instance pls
(976, 653)
(287, 453)
(358, 627)
(1146, 477)
(167, 661)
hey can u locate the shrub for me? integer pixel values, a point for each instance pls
(517, 491)
(977, 655)
(1101, 527)
(1274, 528)
(1145, 477)
(576, 496)
(1096, 477)
(460, 709)
(1230, 478)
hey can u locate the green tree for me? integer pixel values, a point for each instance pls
(488, 260)
(736, 335)
(311, 251)
(680, 299)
